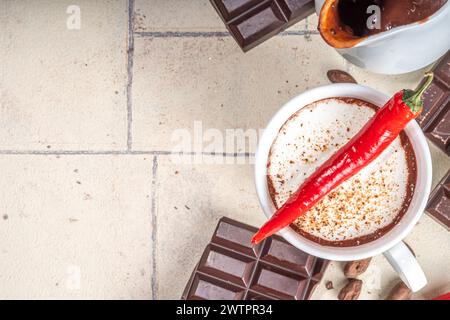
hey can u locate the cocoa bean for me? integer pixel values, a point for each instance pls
(351, 290)
(355, 268)
(329, 285)
(339, 76)
(400, 292)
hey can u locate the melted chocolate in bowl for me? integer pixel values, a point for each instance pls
(394, 13)
(364, 207)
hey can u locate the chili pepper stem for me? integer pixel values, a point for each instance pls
(413, 99)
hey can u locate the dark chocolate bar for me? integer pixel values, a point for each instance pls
(232, 269)
(439, 204)
(435, 117)
(251, 22)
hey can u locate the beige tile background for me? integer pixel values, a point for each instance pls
(63, 89)
(93, 204)
(75, 227)
(183, 16)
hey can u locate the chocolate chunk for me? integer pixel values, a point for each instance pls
(230, 268)
(252, 22)
(435, 117)
(339, 76)
(439, 204)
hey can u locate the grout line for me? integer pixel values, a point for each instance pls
(123, 152)
(130, 54)
(210, 34)
(299, 33)
(154, 279)
(63, 152)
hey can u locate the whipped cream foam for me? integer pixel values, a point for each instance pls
(364, 207)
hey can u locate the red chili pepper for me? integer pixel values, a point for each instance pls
(443, 297)
(362, 149)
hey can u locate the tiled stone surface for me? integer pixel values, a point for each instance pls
(210, 80)
(75, 227)
(61, 88)
(190, 201)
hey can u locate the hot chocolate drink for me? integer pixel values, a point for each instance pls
(364, 207)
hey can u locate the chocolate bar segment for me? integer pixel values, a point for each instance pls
(435, 117)
(279, 283)
(230, 268)
(439, 131)
(439, 204)
(236, 236)
(285, 255)
(252, 22)
(207, 288)
(256, 296)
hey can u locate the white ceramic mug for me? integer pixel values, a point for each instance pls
(390, 243)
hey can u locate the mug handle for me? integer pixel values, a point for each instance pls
(406, 265)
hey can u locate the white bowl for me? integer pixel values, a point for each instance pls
(418, 202)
